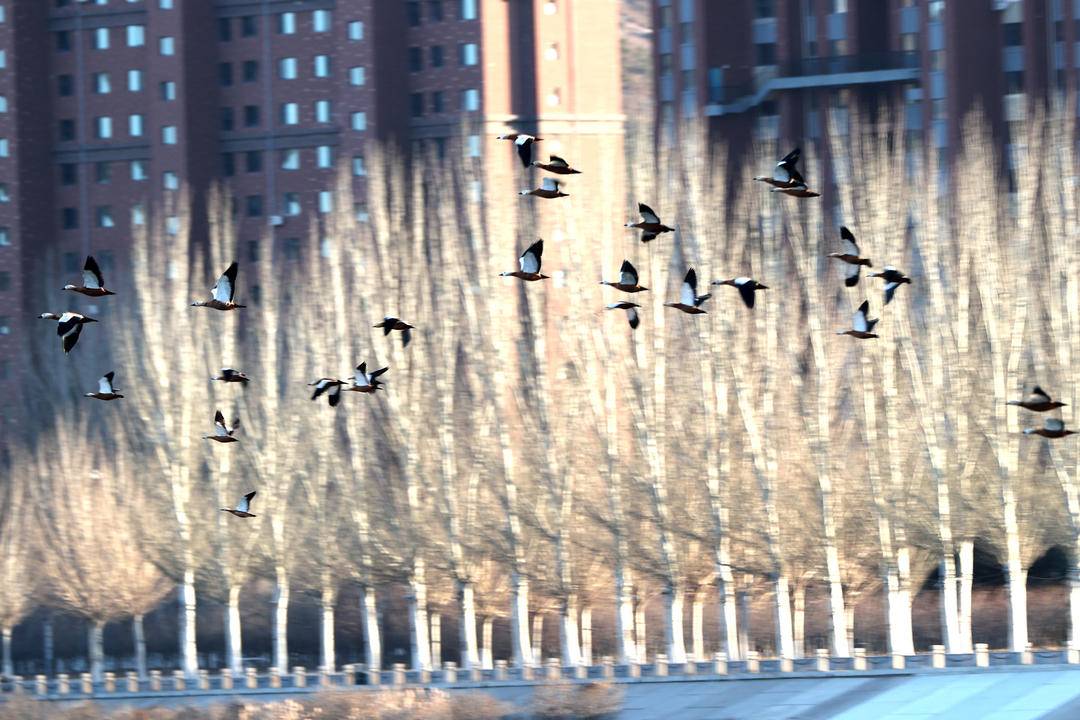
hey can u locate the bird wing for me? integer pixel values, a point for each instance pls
(92, 274)
(746, 289)
(219, 424)
(1040, 394)
(530, 259)
(688, 294)
(226, 285)
(858, 320)
(556, 161)
(1054, 424)
(406, 336)
(647, 213)
(632, 315)
(376, 373)
(387, 325)
(550, 184)
(628, 274)
(524, 149)
(850, 246)
(105, 383)
(783, 172)
(851, 274)
(890, 288)
(335, 395)
(245, 503)
(68, 321)
(794, 176)
(235, 425)
(361, 374)
(791, 158)
(71, 338)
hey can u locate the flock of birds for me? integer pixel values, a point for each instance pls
(785, 179)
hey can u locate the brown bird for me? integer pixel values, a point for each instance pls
(1037, 401)
(242, 509)
(1053, 428)
(365, 382)
(222, 433)
(549, 190)
(784, 175)
(628, 279)
(893, 279)
(69, 327)
(529, 264)
(746, 287)
(850, 256)
(650, 224)
(93, 283)
(105, 389)
(232, 376)
(689, 301)
(331, 386)
(222, 293)
(861, 326)
(389, 324)
(523, 142)
(557, 165)
(631, 311)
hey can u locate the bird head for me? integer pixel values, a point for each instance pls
(49, 316)
(69, 286)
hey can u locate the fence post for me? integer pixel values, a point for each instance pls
(204, 679)
(554, 671)
(251, 680)
(753, 663)
(299, 676)
(607, 667)
(660, 665)
(982, 655)
(17, 688)
(399, 673)
(86, 684)
(63, 684)
(131, 680)
(500, 670)
(350, 674)
(275, 677)
(937, 656)
(178, 680)
(787, 664)
(326, 677)
(226, 679)
(822, 659)
(898, 661)
(449, 672)
(110, 682)
(859, 661)
(1027, 657)
(690, 666)
(41, 685)
(1072, 655)
(633, 669)
(155, 680)
(719, 661)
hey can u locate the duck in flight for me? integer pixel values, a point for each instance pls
(243, 508)
(785, 173)
(366, 382)
(105, 389)
(628, 279)
(93, 283)
(330, 386)
(746, 287)
(861, 326)
(631, 311)
(650, 224)
(389, 324)
(69, 327)
(1053, 428)
(529, 263)
(232, 376)
(1037, 401)
(893, 279)
(850, 258)
(222, 432)
(549, 190)
(557, 165)
(523, 142)
(221, 295)
(689, 301)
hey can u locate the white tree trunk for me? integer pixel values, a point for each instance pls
(729, 613)
(369, 618)
(586, 636)
(906, 629)
(837, 609)
(470, 651)
(436, 640)
(624, 615)
(281, 621)
(138, 637)
(7, 668)
(568, 635)
(487, 656)
(950, 616)
(799, 620)
(95, 645)
(697, 624)
(327, 648)
(538, 637)
(785, 641)
(1074, 597)
(965, 551)
(745, 640)
(675, 635)
(640, 632)
(188, 650)
(1018, 624)
(519, 621)
(418, 618)
(234, 648)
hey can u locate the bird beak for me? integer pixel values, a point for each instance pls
(90, 319)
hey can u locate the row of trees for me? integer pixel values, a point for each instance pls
(533, 455)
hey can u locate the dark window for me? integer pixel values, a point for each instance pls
(67, 129)
(292, 248)
(764, 8)
(437, 101)
(416, 104)
(68, 174)
(228, 164)
(227, 123)
(65, 85)
(1014, 34)
(251, 70)
(254, 205)
(766, 53)
(70, 218)
(1014, 82)
(253, 161)
(225, 74)
(63, 40)
(62, 3)
(5, 281)
(102, 172)
(253, 251)
(436, 56)
(71, 262)
(224, 29)
(440, 148)
(251, 116)
(256, 294)
(416, 59)
(435, 10)
(105, 260)
(412, 12)
(249, 26)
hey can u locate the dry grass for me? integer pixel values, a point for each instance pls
(576, 702)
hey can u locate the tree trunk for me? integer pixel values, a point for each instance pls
(281, 621)
(745, 639)
(369, 619)
(586, 636)
(837, 608)
(785, 642)
(418, 618)
(1074, 596)
(7, 668)
(568, 640)
(188, 649)
(905, 632)
(639, 632)
(697, 624)
(436, 640)
(327, 648)
(799, 619)
(673, 628)
(1016, 577)
(234, 649)
(950, 617)
(139, 639)
(966, 554)
(488, 658)
(624, 614)
(849, 625)
(538, 637)
(95, 645)
(470, 651)
(519, 620)
(729, 613)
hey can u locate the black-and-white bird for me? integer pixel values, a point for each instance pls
(93, 282)
(784, 174)
(549, 190)
(628, 279)
(69, 327)
(222, 432)
(105, 389)
(861, 326)
(631, 311)
(649, 224)
(231, 376)
(1052, 428)
(1037, 401)
(893, 279)
(243, 508)
(689, 301)
(221, 295)
(330, 386)
(389, 324)
(557, 165)
(746, 287)
(366, 382)
(529, 263)
(850, 257)
(523, 142)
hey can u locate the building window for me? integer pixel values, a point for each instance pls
(172, 225)
(102, 173)
(554, 97)
(324, 157)
(412, 12)
(104, 216)
(170, 180)
(138, 215)
(470, 100)
(356, 30)
(251, 70)
(138, 170)
(228, 164)
(468, 54)
(103, 127)
(550, 7)
(228, 122)
(1013, 34)
(102, 85)
(3, 104)
(135, 125)
(136, 35)
(765, 54)
(67, 129)
(253, 161)
(69, 218)
(101, 38)
(135, 81)
(5, 237)
(167, 45)
(290, 202)
(416, 59)
(436, 56)
(68, 174)
(321, 66)
(474, 146)
(764, 9)
(63, 40)
(225, 74)
(468, 9)
(437, 101)
(322, 111)
(326, 201)
(253, 205)
(416, 104)
(5, 281)
(936, 9)
(290, 159)
(359, 121)
(65, 85)
(224, 29)
(291, 247)
(287, 23)
(287, 68)
(168, 90)
(356, 76)
(251, 116)
(290, 114)
(165, 4)
(249, 26)
(320, 21)
(1014, 82)
(435, 10)
(5, 197)
(168, 134)
(551, 52)
(358, 169)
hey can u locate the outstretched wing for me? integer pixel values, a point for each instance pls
(647, 214)
(550, 184)
(746, 290)
(1055, 424)
(791, 158)
(92, 274)
(556, 161)
(245, 503)
(628, 274)
(226, 285)
(851, 274)
(524, 149)
(850, 246)
(530, 259)
(105, 383)
(219, 425)
(632, 315)
(1040, 394)
(688, 294)
(858, 320)
(71, 338)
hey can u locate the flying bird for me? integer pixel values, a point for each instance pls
(650, 224)
(222, 432)
(549, 190)
(366, 382)
(222, 292)
(1037, 401)
(631, 311)
(69, 327)
(557, 165)
(746, 287)
(105, 389)
(689, 301)
(530, 264)
(523, 142)
(861, 326)
(628, 279)
(231, 376)
(93, 283)
(785, 174)
(389, 324)
(243, 508)
(893, 279)
(330, 386)
(850, 257)
(1053, 428)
